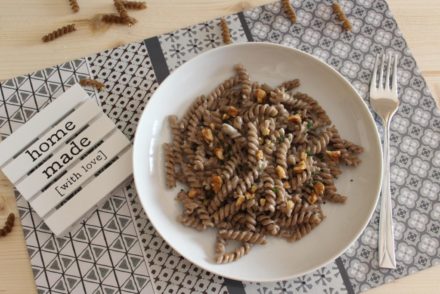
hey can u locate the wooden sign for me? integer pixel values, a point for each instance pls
(66, 159)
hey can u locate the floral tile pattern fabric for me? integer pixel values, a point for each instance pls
(326, 280)
(181, 45)
(415, 129)
(117, 250)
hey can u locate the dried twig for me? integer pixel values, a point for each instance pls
(225, 31)
(337, 9)
(92, 83)
(59, 32)
(74, 5)
(289, 10)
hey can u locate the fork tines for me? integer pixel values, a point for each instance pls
(390, 81)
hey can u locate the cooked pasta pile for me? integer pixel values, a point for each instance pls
(257, 161)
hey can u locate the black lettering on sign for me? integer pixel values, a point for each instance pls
(65, 158)
(50, 141)
(71, 179)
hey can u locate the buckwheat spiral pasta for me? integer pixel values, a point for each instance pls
(260, 112)
(297, 179)
(279, 191)
(300, 218)
(226, 34)
(340, 14)
(225, 211)
(280, 95)
(252, 142)
(220, 245)
(177, 137)
(189, 205)
(204, 216)
(169, 163)
(289, 10)
(226, 189)
(243, 236)
(250, 221)
(245, 183)
(233, 256)
(111, 18)
(300, 231)
(283, 149)
(244, 80)
(92, 83)
(255, 161)
(269, 193)
(192, 222)
(335, 197)
(7, 227)
(199, 158)
(315, 108)
(74, 5)
(268, 224)
(317, 143)
(290, 85)
(59, 33)
(228, 169)
(134, 5)
(122, 11)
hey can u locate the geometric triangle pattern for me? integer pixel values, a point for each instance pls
(102, 254)
(129, 80)
(22, 97)
(90, 259)
(170, 271)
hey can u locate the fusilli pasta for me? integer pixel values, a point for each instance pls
(256, 161)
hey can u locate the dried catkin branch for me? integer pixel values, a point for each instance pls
(134, 5)
(225, 31)
(289, 10)
(92, 83)
(337, 9)
(74, 5)
(59, 32)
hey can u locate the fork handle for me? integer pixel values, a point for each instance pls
(387, 258)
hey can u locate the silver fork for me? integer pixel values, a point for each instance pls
(384, 100)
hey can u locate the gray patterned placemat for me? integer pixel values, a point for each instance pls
(132, 73)
(102, 254)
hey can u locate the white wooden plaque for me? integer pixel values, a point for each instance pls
(66, 159)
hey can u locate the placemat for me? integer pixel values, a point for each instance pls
(116, 249)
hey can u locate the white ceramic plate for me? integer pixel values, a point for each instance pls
(272, 64)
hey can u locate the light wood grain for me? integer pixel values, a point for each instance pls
(23, 22)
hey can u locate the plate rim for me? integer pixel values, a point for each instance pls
(365, 107)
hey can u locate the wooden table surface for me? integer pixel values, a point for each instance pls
(22, 23)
